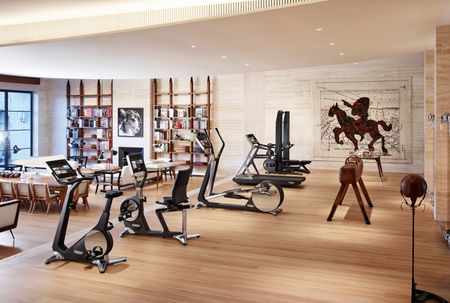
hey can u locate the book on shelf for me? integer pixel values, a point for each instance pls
(200, 124)
(182, 112)
(160, 136)
(171, 111)
(92, 123)
(161, 124)
(87, 112)
(104, 122)
(164, 112)
(72, 133)
(199, 112)
(103, 145)
(72, 123)
(103, 133)
(73, 112)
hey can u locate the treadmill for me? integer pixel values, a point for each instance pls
(245, 175)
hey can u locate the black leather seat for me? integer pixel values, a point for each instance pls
(178, 202)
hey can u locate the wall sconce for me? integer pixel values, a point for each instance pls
(430, 119)
(445, 118)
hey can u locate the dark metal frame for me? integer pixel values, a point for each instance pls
(7, 91)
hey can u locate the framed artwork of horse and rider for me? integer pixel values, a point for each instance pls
(130, 122)
(367, 114)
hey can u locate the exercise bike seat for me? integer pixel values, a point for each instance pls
(112, 194)
(168, 202)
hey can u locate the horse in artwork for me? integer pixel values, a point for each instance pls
(350, 128)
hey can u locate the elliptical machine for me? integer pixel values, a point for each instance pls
(93, 248)
(265, 197)
(132, 208)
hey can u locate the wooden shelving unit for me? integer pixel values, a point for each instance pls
(176, 121)
(89, 125)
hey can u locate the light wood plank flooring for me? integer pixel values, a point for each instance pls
(296, 256)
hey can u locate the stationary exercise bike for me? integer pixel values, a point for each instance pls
(93, 248)
(265, 197)
(132, 208)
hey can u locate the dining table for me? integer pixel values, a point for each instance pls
(53, 185)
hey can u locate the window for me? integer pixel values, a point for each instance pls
(16, 124)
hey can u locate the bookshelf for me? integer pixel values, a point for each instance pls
(177, 115)
(89, 119)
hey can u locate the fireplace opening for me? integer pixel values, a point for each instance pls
(124, 151)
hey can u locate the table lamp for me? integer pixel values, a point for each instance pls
(413, 187)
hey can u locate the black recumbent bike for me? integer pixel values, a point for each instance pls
(132, 208)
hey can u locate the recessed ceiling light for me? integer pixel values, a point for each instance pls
(355, 62)
(224, 57)
(341, 54)
(193, 46)
(319, 29)
(331, 43)
(247, 64)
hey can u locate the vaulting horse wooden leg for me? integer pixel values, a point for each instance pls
(345, 192)
(365, 193)
(340, 196)
(360, 202)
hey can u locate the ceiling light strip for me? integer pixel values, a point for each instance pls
(95, 25)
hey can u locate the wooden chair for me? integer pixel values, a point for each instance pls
(82, 191)
(6, 191)
(24, 193)
(41, 194)
(107, 178)
(80, 159)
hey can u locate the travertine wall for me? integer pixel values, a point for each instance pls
(247, 103)
(442, 87)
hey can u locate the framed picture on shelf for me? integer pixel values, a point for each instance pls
(130, 122)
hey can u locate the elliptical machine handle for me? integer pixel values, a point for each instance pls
(223, 142)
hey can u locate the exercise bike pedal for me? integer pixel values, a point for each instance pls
(109, 226)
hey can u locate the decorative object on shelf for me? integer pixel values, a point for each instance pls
(351, 127)
(413, 187)
(130, 122)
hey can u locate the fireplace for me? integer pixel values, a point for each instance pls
(124, 151)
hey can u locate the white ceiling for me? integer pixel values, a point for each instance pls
(285, 38)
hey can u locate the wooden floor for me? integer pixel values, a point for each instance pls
(296, 256)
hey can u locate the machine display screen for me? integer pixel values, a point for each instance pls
(137, 163)
(203, 141)
(62, 169)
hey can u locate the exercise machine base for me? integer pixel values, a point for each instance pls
(101, 264)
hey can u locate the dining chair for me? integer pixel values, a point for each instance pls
(23, 192)
(6, 191)
(82, 192)
(41, 194)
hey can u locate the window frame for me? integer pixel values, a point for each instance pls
(6, 92)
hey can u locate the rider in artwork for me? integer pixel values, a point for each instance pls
(359, 108)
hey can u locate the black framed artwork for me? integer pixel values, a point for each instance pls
(130, 122)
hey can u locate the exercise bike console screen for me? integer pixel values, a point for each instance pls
(137, 164)
(62, 169)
